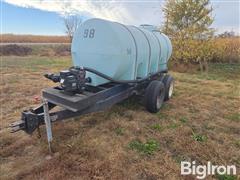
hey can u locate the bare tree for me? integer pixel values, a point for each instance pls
(227, 34)
(71, 25)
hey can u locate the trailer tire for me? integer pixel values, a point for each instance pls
(168, 82)
(154, 96)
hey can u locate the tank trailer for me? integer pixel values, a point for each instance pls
(111, 62)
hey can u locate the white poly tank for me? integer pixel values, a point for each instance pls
(119, 51)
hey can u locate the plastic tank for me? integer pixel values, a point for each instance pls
(119, 51)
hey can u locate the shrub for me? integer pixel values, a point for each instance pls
(63, 50)
(223, 50)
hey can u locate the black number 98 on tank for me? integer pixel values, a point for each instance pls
(89, 33)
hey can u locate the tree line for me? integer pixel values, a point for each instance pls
(188, 24)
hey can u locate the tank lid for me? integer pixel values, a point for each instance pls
(149, 27)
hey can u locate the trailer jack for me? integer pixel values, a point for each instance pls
(47, 123)
(30, 121)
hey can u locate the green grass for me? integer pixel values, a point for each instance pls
(226, 177)
(131, 103)
(234, 117)
(173, 126)
(237, 143)
(217, 72)
(183, 119)
(166, 106)
(221, 71)
(156, 127)
(119, 131)
(199, 137)
(35, 63)
(147, 148)
(162, 115)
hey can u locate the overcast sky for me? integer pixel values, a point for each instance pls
(45, 17)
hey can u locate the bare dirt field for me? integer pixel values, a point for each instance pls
(200, 123)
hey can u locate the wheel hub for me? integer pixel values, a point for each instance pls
(170, 92)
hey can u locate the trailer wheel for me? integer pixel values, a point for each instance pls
(168, 82)
(154, 96)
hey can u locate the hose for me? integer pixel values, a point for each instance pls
(122, 81)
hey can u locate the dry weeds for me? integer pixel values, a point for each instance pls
(17, 38)
(90, 147)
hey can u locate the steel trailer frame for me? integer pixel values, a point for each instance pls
(92, 99)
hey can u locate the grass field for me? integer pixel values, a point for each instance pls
(200, 123)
